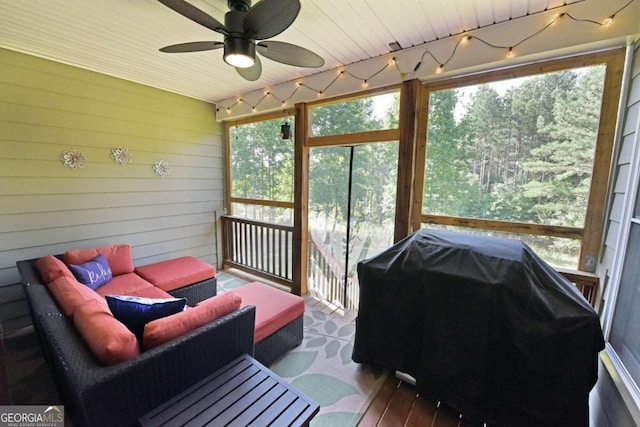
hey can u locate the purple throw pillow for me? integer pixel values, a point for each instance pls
(94, 273)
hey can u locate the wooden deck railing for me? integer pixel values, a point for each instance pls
(257, 247)
(264, 249)
(586, 282)
(326, 279)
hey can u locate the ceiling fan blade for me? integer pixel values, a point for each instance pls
(192, 47)
(189, 11)
(268, 18)
(252, 73)
(290, 54)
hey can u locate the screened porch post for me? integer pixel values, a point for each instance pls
(300, 243)
(411, 155)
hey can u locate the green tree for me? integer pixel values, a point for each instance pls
(446, 188)
(261, 162)
(564, 163)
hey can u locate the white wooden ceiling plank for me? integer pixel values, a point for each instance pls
(363, 25)
(501, 10)
(467, 14)
(401, 18)
(483, 10)
(425, 28)
(325, 37)
(536, 6)
(519, 8)
(444, 18)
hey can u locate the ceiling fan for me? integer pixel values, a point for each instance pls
(243, 25)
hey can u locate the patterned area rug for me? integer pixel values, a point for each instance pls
(321, 367)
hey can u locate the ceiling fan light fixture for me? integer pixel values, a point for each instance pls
(239, 52)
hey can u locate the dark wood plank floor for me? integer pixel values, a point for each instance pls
(397, 404)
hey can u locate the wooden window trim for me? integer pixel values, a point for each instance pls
(261, 202)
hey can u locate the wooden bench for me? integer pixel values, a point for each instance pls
(242, 393)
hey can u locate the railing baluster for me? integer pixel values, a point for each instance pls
(265, 248)
(261, 251)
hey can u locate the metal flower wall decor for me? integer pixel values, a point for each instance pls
(121, 155)
(72, 159)
(161, 168)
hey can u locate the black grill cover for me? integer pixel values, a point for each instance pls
(484, 325)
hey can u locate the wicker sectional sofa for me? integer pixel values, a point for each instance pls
(96, 395)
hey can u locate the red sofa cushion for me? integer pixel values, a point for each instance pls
(124, 284)
(167, 328)
(150, 292)
(50, 268)
(118, 257)
(274, 308)
(70, 294)
(176, 273)
(110, 341)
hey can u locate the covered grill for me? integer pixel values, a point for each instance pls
(484, 325)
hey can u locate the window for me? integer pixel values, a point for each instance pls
(516, 157)
(261, 176)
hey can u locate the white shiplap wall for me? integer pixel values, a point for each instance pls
(47, 108)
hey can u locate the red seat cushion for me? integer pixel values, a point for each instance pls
(176, 273)
(274, 308)
(124, 284)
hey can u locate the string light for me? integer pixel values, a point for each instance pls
(556, 17)
(464, 40)
(510, 53)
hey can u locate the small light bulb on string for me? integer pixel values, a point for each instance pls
(465, 40)
(253, 109)
(440, 69)
(608, 21)
(556, 18)
(319, 94)
(365, 83)
(228, 110)
(510, 53)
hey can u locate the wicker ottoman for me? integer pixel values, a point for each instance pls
(279, 319)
